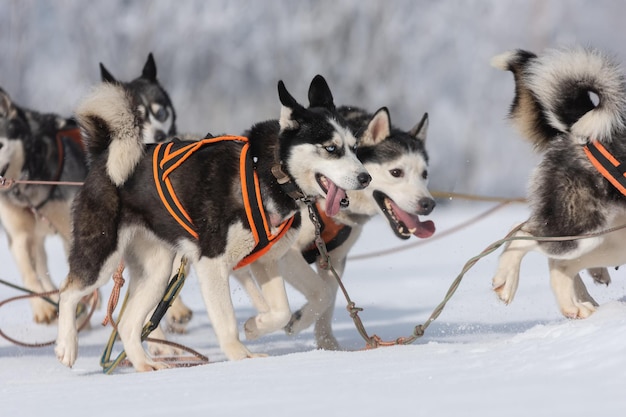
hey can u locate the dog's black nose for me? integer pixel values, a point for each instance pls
(159, 136)
(364, 179)
(426, 205)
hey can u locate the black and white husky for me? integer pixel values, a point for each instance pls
(398, 163)
(118, 212)
(153, 101)
(47, 147)
(571, 105)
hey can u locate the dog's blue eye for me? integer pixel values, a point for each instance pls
(330, 148)
(398, 173)
(161, 114)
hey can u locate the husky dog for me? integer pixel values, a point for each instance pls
(118, 213)
(154, 102)
(47, 147)
(398, 163)
(571, 105)
(37, 147)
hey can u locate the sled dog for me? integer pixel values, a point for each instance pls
(144, 203)
(571, 105)
(398, 163)
(47, 147)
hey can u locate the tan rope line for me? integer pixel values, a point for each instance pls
(94, 302)
(375, 341)
(114, 298)
(476, 197)
(436, 236)
(9, 182)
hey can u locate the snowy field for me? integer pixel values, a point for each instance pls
(480, 358)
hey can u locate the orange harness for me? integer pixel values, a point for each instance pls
(166, 159)
(332, 233)
(607, 165)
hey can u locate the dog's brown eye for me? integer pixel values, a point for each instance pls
(398, 173)
(425, 174)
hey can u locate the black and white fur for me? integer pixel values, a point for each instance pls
(154, 103)
(398, 163)
(117, 213)
(564, 99)
(29, 151)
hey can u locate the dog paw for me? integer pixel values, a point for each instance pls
(66, 352)
(265, 323)
(235, 351)
(178, 316)
(162, 349)
(328, 342)
(43, 311)
(578, 310)
(150, 365)
(292, 327)
(600, 275)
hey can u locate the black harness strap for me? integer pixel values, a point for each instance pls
(166, 159)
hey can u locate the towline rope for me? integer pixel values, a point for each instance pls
(45, 296)
(419, 330)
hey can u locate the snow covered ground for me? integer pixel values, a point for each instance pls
(480, 358)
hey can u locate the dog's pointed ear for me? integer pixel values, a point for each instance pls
(106, 76)
(291, 111)
(149, 69)
(378, 129)
(421, 129)
(319, 94)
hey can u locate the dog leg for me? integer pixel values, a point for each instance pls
(600, 275)
(247, 282)
(149, 265)
(73, 290)
(66, 348)
(320, 290)
(506, 280)
(274, 293)
(25, 245)
(213, 276)
(571, 293)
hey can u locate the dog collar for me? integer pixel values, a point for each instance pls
(288, 186)
(165, 159)
(610, 168)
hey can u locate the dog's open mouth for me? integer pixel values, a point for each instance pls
(403, 224)
(336, 197)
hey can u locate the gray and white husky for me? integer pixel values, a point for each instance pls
(570, 103)
(398, 163)
(47, 147)
(119, 213)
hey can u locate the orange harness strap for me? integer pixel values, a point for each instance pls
(607, 165)
(166, 159)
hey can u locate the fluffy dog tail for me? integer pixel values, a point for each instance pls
(112, 128)
(577, 92)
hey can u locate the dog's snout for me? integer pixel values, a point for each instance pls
(426, 205)
(364, 179)
(159, 136)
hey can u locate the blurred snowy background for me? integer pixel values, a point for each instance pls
(220, 60)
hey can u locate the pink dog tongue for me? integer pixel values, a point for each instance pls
(411, 221)
(334, 195)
